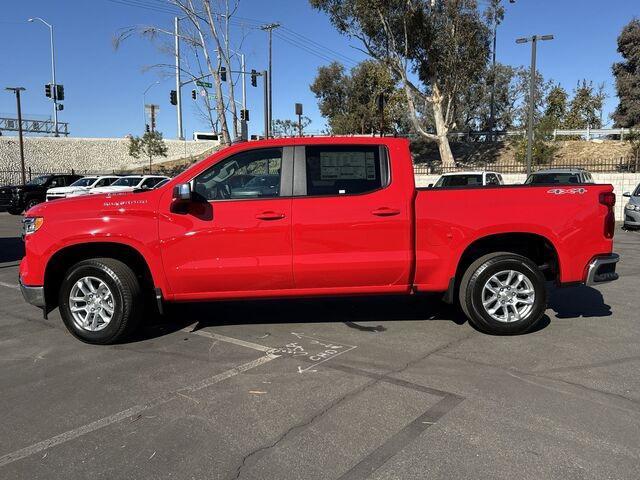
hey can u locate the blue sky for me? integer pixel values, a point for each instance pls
(104, 87)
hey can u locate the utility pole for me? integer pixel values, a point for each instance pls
(269, 28)
(17, 91)
(176, 32)
(498, 15)
(244, 130)
(53, 75)
(532, 91)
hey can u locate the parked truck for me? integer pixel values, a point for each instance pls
(343, 218)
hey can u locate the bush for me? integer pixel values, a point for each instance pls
(543, 149)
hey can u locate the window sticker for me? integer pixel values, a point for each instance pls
(347, 166)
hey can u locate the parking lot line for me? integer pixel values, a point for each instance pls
(10, 285)
(136, 409)
(223, 338)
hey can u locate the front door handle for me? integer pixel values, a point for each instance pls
(270, 216)
(385, 212)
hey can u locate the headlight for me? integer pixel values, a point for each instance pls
(631, 206)
(31, 224)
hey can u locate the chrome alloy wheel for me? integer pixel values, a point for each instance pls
(91, 303)
(508, 296)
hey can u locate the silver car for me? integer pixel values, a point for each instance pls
(632, 209)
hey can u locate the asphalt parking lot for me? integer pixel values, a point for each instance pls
(380, 388)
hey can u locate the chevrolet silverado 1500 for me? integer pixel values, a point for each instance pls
(335, 216)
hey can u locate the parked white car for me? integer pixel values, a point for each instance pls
(469, 179)
(81, 186)
(130, 183)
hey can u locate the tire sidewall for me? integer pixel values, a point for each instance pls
(107, 276)
(486, 271)
(31, 203)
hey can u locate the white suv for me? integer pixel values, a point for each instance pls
(469, 179)
(81, 186)
(130, 183)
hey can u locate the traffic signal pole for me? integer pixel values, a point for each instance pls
(17, 91)
(176, 25)
(265, 78)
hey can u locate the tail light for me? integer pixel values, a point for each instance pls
(608, 199)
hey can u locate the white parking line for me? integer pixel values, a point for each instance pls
(136, 409)
(10, 285)
(223, 338)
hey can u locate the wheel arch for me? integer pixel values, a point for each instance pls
(60, 261)
(534, 246)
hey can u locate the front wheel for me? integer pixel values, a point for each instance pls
(100, 300)
(14, 211)
(31, 203)
(503, 294)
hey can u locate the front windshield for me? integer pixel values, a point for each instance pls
(459, 180)
(126, 182)
(39, 180)
(637, 192)
(83, 182)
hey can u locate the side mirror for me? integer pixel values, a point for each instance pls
(182, 192)
(626, 194)
(430, 185)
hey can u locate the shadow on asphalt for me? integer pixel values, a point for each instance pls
(351, 311)
(11, 249)
(571, 302)
(578, 301)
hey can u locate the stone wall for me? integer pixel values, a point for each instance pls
(622, 182)
(50, 154)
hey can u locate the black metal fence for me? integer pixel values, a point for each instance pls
(14, 177)
(629, 164)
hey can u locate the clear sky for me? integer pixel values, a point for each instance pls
(104, 87)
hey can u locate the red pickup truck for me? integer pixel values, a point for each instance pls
(313, 216)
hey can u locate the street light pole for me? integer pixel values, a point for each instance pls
(53, 74)
(532, 92)
(17, 91)
(269, 28)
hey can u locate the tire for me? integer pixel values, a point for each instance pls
(126, 302)
(31, 203)
(14, 211)
(492, 270)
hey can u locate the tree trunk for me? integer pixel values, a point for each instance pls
(441, 129)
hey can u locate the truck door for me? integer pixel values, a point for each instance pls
(351, 220)
(234, 238)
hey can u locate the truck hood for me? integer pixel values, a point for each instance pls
(84, 206)
(24, 188)
(635, 200)
(67, 189)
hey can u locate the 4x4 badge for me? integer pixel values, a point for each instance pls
(564, 191)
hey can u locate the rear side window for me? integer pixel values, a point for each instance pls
(492, 179)
(348, 170)
(151, 182)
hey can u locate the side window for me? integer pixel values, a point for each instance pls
(103, 182)
(348, 170)
(251, 174)
(492, 179)
(150, 182)
(57, 182)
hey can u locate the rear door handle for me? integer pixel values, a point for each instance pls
(270, 216)
(385, 212)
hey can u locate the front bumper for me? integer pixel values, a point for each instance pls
(602, 269)
(33, 295)
(631, 218)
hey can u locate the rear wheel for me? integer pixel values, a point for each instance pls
(100, 300)
(503, 293)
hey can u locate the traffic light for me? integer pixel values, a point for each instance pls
(223, 74)
(173, 97)
(60, 107)
(47, 90)
(146, 128)
(59, 92)
(193, 94)
(244, 115)
(254, 78)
